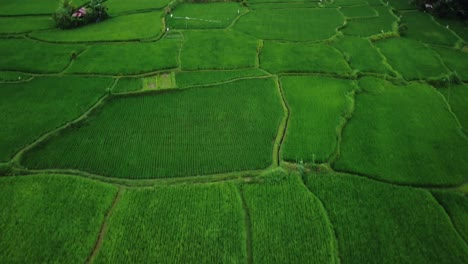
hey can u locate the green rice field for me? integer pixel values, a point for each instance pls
(254, 131)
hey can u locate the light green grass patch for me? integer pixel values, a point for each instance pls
(289, 225)
(16, 25)
(35, 57)
(180, 224)
(51, 218)
(457, 98)
(292, 24)
(204, 15)
(10, 76)
(403, 134)
(129, 27)
(229, 127)
(358, 11)
(455, 60)
(221, 50)
(456, 206)
(160, 82)
(194, 78)
(382, 223)
(317, 106)
(121, 6)
(31, 7)
(361, 55)
(422, 27)
(291, 57)
(128, 58)
(30, 109)
(411, 59)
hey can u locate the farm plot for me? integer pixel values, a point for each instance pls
(289, 224)
(403, 134)
(179, 224)
(340, 3)
(278, 57)
(455, 60)
(128, 58)
(30, 109)
(10, 76)
(218, 50)
(31, 7)
(422, 27)
(35, 57)
(382, 223)
(291, 24)
(17, 25)
(366, 27)
(129, 27)
(412, 59)
(194, 78)
(122, 6)
(456, 26)
(204, 15)
(230, 127)
(317, 106)
(361, 55)
(283, 5)
(51, 219)
(358, 12)
(401, 4)
(457, 98)
(456, 206)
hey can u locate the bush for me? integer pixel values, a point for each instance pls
(444, 8)
(68, 15)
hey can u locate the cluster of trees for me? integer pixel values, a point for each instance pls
(444, 8)
(68, 15)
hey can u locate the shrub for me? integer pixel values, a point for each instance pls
(444, 8)
(68, 15)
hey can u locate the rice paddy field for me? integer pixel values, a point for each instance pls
(254, 131)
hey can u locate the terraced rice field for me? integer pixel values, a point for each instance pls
(261, 131)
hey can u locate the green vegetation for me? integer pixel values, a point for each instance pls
(358, 11)
(403, 134)
(411, 59)
(456, 206)
(286, 57)
(365, 27)
(121, 6)
(457, 98)
(16, 25)
(230, 127)
(455, 60)
(31, 56)
(30, 109)
(31, 7)
(312, 137)
(134, 58)
(282, 209)
(129, 27)
(361, 55)
(194, 78)
(51, 218)
(221, 50)
(253, 131)
(292, 24)
(382, 223)
(9, 76)
(124, 85)
(205, 15)
(422, 27)
(178, 224)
